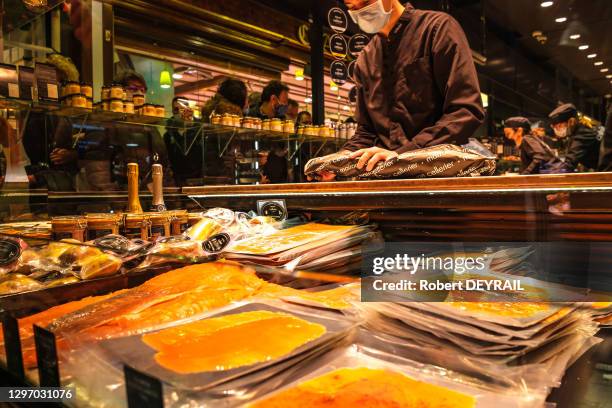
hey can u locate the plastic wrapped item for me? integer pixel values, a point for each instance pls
(11, 254)
(178, 249)
(16, 283)
(437, 161)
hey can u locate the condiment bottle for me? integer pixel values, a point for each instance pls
(133, 199)
(158, 188)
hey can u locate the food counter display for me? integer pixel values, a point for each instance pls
(245, 309)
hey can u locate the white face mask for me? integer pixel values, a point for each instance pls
(561, 132)
(371, 19)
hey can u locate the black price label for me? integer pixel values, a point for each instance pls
(357, 43)
(216, 243)
(339, 72)
(46, 356)
(9, 251)
(276, 209)
(142, 390)
(338, 46)
(12, 346)
(337, 19)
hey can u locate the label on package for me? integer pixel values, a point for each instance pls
(46, 356)
(276, 209)
(12, 346)
(142, 390)
(216, 243)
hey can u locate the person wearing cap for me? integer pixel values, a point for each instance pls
(583, 140)
(536, 155)
(416, 82)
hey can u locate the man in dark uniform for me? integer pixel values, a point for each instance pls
(583, 141)
(416, 82)
(536, 155)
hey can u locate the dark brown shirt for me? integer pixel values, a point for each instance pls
(418, 87)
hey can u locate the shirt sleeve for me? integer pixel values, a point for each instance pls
(365, 135)
(456, 78)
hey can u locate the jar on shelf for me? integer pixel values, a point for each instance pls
(160, 224)
(68, 228)
(276, 125)
(79, 101)
(99, 225)
(226, 119)
(265, 124)
(136, 226)
(235, 121)
(257, 124)
(87, 90)
(215, 119)
(289, 126)
(160, 111)
(128, 107)
(138, 99)
(105, 94)
(124, 96)
(179, 222)
(116, 105)
(149, 109)
(71, 88)
(66, 100)
(105, 104)
(300, 130)
(116, 92)
(90, 103)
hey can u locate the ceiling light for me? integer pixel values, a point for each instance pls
(546, 4)
(299, 74)
(604, 70)
(575, 36)
(591, 55)
(346, 108)
(598, 63)
(561, 19)
(608, 96)
(165, 81)
(334, 87)
(583, 47)
(609, 76)
(177, 75)
(308, 99)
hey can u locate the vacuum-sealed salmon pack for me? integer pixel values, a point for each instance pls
(436, 161)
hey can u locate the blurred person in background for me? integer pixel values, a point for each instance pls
(605, 160)
(231, 98)
(536, 156)
(274, 102)
(583, 141)
(303, 118)
(292, 110)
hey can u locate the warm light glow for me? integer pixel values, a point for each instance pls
(485, 100)
(346, 108)
(308, 99)
(575, 36)
(165, 81)
(598, 63)
(177, 75)
(561, 19)
(591, 55)
(546, 3)
(604, 70)
(299, 74)
(583, 47)
(609, 76)
(333, 86)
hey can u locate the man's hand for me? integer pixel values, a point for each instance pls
(370, 156)
(62, 156)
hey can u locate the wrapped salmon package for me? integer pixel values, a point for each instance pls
(436, 161)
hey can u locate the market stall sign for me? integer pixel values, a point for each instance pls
(12, 346)
(276, 209)
(357, 43)
(338, 46)
(339, 72)
(337, 19)
(46, 356)
(142, 390)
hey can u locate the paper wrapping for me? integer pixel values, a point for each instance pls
(437, 161)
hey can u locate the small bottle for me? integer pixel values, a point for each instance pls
(158, 188)
(133, 199)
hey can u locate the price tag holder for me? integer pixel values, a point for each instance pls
(12, 346)
(339, 72)
(216, 243)
(337, 19)
(338, 46)
(142, 390)
(276, 209)
(357, 43)
(46, 356)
